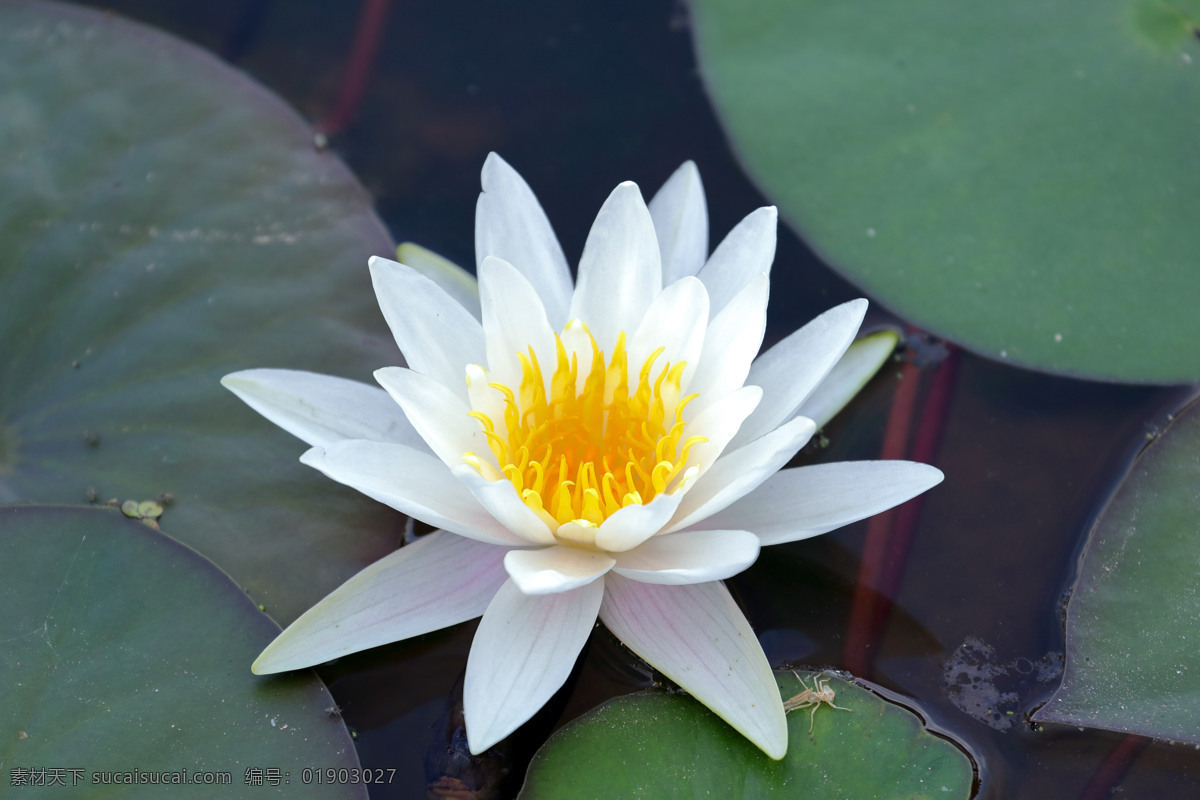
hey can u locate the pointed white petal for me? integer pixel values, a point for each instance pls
(731, 343)
(524, 649)
(806, 501)
(500, 498)
(438, 581)
(746, 251)
(513, 321)
(437, 413)
(554, 569)
(322, 409)
(739, 472)
(510, 224)
(680, 217)
(791, 370)
(456, 281)
(437, 336)
(676, 559)
(636, 523)
(620, 271)
(851, 373)
(412, 482)
(697, 637)
(675, 321)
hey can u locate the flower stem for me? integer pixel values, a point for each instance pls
(1113, 769)
(362, 53)
(890, 534)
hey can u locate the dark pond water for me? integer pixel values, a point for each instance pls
(579, 96)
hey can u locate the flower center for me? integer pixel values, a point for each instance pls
(593, 444)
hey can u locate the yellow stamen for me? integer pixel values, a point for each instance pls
(596, 444)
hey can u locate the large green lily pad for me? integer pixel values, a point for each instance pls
(660, 745)
(126, 652)
(1133, 622)
(166, 221)
(1017, 176)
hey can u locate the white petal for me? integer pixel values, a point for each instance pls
(719, 423)
(456, 281)
(437, 336)
(731, 343)
(513, 321)
(412, 482)
(676, 321)
(577, 341)
(500, 499)
(806, 501)
(636, 523)
(524, 649)
(483, 398)
(791, 370)
(620, 271)
(322, 409)
(851, 373)
(437, 413)
(692, 557)
(510, 224)
(746, 251)
(438, 581)
(681, 223)
(555, 569)
(739, 472)
(697, 637)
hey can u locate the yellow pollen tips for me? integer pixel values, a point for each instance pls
(594, 444)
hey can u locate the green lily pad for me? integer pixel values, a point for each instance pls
(1017, 177)
(655, 744)
(126, 652)
(166, 221)
(1133, 622)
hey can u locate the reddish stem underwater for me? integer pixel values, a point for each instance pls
(362, 53)
(890, 534)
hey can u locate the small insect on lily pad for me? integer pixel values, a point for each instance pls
(812, 698)
(670, 746)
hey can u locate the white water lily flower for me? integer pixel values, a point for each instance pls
(605, 447)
